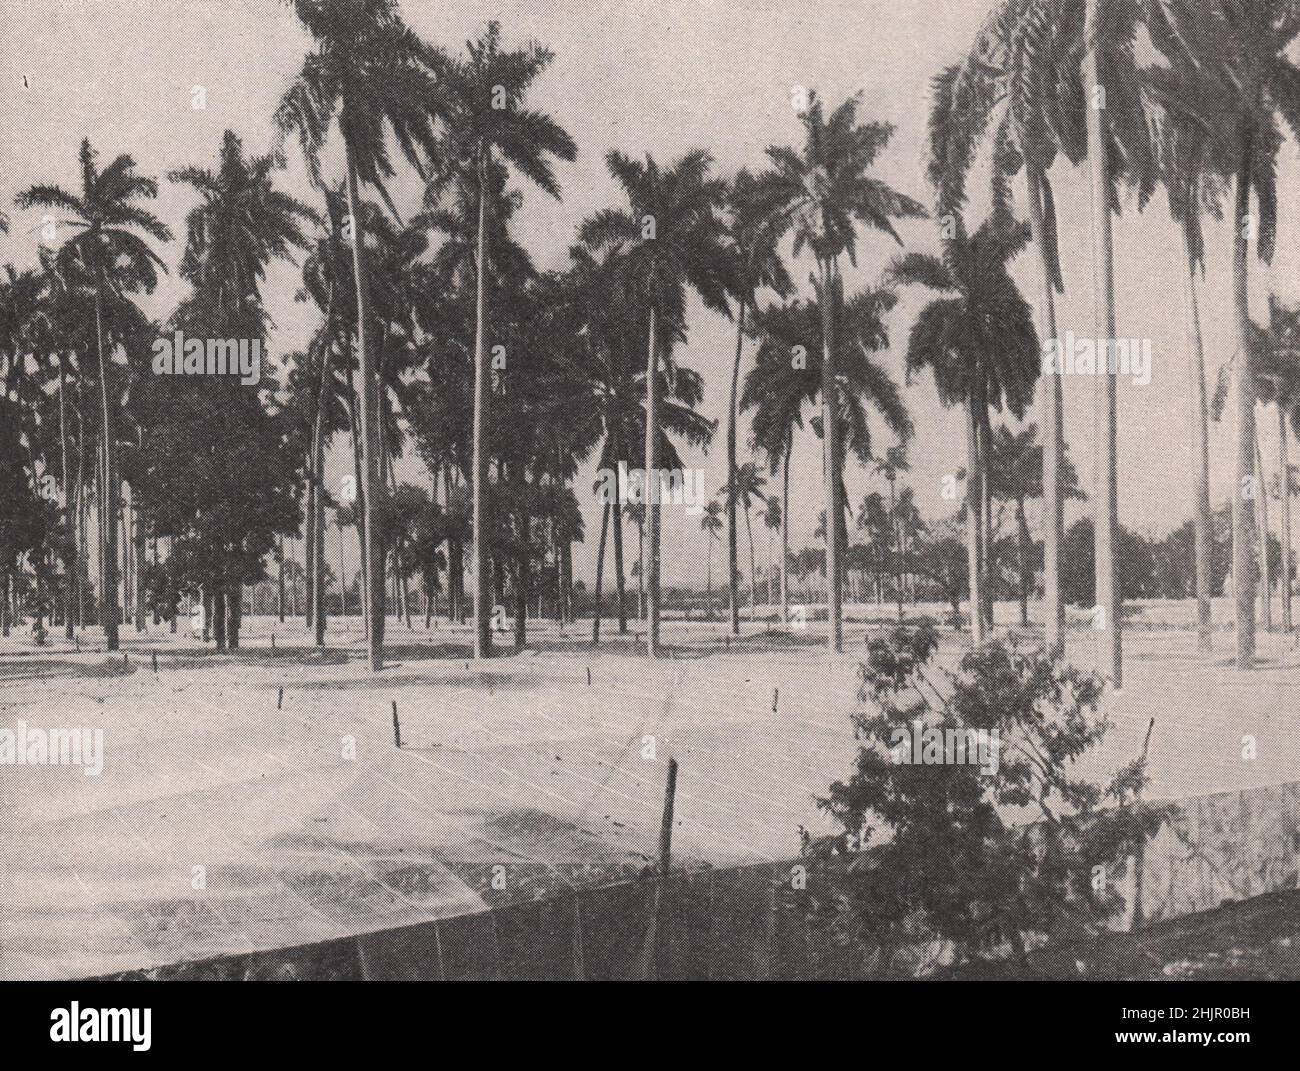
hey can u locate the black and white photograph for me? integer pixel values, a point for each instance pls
(651, 492)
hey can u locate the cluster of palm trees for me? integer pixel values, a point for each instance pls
(439, 337)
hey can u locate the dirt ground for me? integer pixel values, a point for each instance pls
(227, 819)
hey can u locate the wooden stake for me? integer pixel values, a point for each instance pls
(589, 676)
(776, 698)
(154, 656)
(649, 956)
(279, 699)
(397, 728)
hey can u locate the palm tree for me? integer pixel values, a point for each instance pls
(746, 488)
(109, 252)
(773, 518)
(1278, 375)
(489, 126)
(827, 192)
(754, 228)
(1256, 52)
(711, 524)
(891, 466)
(1021, 86)
(371, 73)
(979, 342)
(668, 238)
(1015, 475)
(1192, 122)
(787, 377)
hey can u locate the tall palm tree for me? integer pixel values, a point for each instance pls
(1278, 375)
(488, 126)
(979, 342)
(373, 75)
(754, 227)
(668, 238)
(773, 517)
(106, 249)
(1256, 51)
(711, 525)
(1191, 123)
(787, 377)
(828, 192)
(747, 487)
(891, 466)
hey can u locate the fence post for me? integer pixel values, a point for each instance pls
(579, 962)
(649, 957)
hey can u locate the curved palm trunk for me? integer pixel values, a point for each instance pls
(108, 594)
(1284, 490)
(831, 441)
(482, 608)
(974, 525)
(1265, 566)
(1105, 526)
(652, 481)
(732, 566)
(1202, 521)
(1243, 372)
(1053, 516)
(370, 482)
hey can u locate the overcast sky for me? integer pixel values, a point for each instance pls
(658, 77)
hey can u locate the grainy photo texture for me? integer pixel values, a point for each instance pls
(648, 490)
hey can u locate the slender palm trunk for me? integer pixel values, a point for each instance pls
(108, 593)
(1265, 566)
(68, 522)
(831, 441)
(1053, 518)
(318, 538)
(309, 542)
(279, 577)
(1284, 490)
(785, 533)
(974, 524)
(732, 566)
(1202, 521)
(652, 480)
(1106, 524)
(708, 581)
(753, 586)
(138, 576)
(482, 609)
(370, 483)
(1245, 486)
(618, 565)
(600, 572)
(343, 576)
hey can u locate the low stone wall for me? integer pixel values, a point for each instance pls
(1213, 849)
(752, 923)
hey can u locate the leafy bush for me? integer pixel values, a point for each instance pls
(975, 859)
